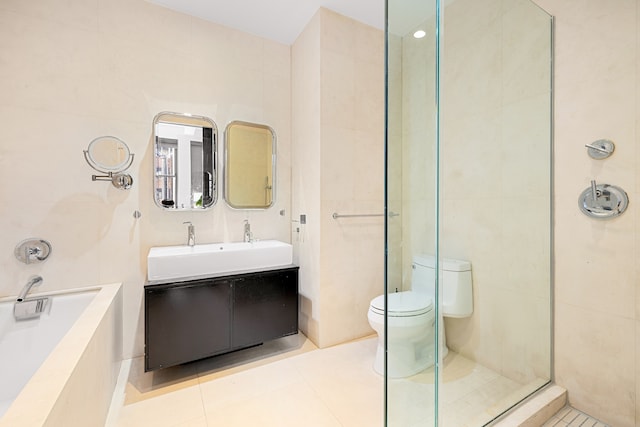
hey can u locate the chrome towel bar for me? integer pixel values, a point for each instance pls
(336, 215)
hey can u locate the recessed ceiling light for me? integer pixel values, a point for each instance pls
(419, 34)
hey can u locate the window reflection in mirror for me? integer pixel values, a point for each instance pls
(184, 161)
(249, 165)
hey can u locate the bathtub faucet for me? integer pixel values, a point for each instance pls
(33, 281)
(31, 308)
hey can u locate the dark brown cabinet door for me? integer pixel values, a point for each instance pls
(185, 322)
(265, 307)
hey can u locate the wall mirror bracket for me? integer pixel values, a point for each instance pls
(110, 156)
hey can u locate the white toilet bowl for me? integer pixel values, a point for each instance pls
(411, 328)
(411, 315)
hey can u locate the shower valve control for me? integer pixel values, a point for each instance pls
(603, 201)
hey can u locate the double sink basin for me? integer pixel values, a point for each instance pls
(179, 262)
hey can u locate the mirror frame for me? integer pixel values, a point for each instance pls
(225, 166)
(192, 120)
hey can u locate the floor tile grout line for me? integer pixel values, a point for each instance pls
(204, 406)
(569, 415)
(316, 393)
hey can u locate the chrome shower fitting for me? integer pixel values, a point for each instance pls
(33, 281)
(32, 250)
(603, 201)
(28, 308)
(600, 149)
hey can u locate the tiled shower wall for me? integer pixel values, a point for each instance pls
(494, 174)
(495, 179)
(597, 306)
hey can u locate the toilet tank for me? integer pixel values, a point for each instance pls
(457, 298)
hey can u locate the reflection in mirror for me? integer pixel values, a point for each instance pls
(250, 163)
(108, 154)
(184, 161)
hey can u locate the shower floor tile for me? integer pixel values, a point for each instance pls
(570, 417)
(290, 382)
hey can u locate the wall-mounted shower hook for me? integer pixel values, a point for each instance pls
(600, 149)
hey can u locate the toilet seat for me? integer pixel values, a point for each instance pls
(402, 304)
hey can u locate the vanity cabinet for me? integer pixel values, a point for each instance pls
(265, 306)
(195, 319)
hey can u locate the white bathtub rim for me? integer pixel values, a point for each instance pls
(36, 400)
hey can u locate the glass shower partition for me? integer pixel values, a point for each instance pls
(469, 172)
(411, 191)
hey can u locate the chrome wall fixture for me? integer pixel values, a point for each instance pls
(33, 250)
(110, 156)
(600, 149)
(603, 201)
(337, 215)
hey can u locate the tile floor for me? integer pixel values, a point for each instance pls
(290, 382)
(570, 417)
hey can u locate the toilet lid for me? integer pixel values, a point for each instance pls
(403, 304)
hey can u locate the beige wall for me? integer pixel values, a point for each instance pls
(597, 307)
(306, 174)
(494, 175)
(70, 74)
(338, 125)
(495, 180)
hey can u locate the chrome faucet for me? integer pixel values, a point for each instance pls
(33, 281)
(191, 234)
(248, 236)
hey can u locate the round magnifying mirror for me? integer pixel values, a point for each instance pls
(108, 154)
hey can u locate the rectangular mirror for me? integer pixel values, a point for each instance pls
(184, 161)
(249, 165)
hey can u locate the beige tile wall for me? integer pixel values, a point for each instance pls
(306, 174)
(494, 175)
(419, 149)
(394, 161)
(596, 96)
(107, 67)
(597, 316)
(495, 162)
(338, 72)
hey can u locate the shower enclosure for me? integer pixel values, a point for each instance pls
(469, 170)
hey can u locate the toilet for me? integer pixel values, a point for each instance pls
(411, 315)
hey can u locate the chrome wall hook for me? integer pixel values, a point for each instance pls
(600, 149)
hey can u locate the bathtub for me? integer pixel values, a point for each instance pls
(61, 369)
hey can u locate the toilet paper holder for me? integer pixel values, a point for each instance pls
(603, 201)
